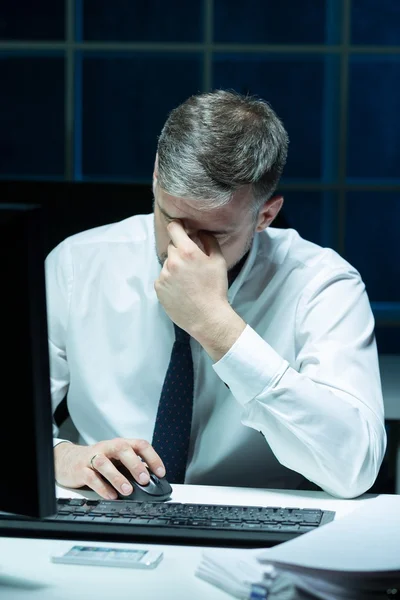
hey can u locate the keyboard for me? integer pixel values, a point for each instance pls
(170, 522)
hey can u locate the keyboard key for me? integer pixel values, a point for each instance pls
(305, 528)
(180, 522)
(102, 519)
(311, 518)
(160, 522)
(139, 521)
(120, 520)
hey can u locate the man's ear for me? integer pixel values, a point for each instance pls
(155, 174)
(155, 170)
(268, 212)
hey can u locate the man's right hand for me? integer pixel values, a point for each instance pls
(77, 466)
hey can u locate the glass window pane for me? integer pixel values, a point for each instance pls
(124, 109)
(375, 22)
(372, 241)
(300, 89)
(312, 214)
(302, 212)
(155, 21)
(374, 126)
(27, 20)
(32, 115)
(283, 22)
(388, 339)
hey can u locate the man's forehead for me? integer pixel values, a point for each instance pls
(182, 208)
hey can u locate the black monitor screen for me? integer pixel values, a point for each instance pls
(27, 484)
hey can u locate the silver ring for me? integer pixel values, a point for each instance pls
(91, 462)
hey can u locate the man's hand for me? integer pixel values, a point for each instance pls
(193, 287)
(75, 468)
(192, 284)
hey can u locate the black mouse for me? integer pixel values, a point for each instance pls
(157, 490)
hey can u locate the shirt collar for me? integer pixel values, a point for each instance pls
(243, 270)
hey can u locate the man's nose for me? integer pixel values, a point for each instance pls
(191, 231)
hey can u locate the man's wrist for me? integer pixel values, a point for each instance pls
(219, 331)
(61, 447)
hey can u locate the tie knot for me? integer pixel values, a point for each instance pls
(181, 336)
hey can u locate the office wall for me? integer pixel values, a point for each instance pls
(87, 84)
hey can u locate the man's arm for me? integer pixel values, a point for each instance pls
(92, 465)
(323, 417)
(219, 332)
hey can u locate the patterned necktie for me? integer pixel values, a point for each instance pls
(171, 434)
(174, 416)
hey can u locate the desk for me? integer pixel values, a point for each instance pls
(174, 577)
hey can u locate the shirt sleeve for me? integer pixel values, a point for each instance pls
(322, 415)
(59, 278)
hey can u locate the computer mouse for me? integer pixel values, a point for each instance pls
(157, 490)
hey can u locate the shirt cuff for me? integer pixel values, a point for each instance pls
(57, 441)
(250, 366)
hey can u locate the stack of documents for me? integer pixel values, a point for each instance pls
(355, 557)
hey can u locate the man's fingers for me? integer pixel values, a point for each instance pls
(126, 451)
(150, 456)
(210, 243)
(135, 455)
(98, 484)
(179, 237)
(171, 250)
(130, 459)
(171, 261)
(107, 469)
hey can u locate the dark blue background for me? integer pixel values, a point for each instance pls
(134, 61)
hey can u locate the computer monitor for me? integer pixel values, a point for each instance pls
(27, 482)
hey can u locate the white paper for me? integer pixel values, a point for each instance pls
(365, 542)
(345, 559)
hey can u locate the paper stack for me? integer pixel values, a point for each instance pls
(356, 557)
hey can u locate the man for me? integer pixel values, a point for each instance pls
(273, 380)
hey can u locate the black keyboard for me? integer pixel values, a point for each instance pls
(170, 522)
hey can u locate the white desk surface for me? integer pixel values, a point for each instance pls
(172, 579)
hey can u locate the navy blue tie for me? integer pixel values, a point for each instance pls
(174, 416)
(171, 434)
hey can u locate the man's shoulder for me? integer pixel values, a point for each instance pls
(134, 229)
(108, 244)
(290, 249)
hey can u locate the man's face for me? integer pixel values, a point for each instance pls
(232, 225)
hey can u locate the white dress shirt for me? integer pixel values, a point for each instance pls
(304, 397)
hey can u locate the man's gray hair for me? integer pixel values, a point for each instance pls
(215, 143)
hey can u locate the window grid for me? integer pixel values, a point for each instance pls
(343, 118)
(69, 89)
(334, 209)
(212, 47)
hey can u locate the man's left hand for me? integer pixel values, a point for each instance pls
(193, 283)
